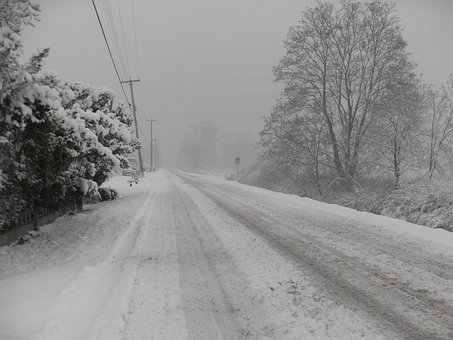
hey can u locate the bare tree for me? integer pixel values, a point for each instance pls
(396, 141)
(297, 141)
(440, 130)
(338, 61)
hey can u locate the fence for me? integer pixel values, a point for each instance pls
(32, 219)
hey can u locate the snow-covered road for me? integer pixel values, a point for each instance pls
(187, 256)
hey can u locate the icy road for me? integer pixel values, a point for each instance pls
(186, 256)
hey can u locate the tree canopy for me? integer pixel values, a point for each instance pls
(339, 64)
(56, 136)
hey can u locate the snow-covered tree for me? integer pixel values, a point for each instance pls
(108, 125)
(338, 61)
(14, 77)
(297, 140)
(395, 140)
(56, 137)
(439, 127)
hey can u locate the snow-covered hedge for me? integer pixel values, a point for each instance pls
(56, 136)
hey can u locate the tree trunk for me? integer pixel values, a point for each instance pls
(396, 162)
(78, 201)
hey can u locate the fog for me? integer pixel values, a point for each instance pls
(206, 62)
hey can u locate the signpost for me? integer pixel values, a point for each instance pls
(237, 160)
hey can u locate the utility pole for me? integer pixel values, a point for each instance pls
(156, 153)
(131, 82)
(151, 150)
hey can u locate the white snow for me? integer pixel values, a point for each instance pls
(439, 236)
(63, 269)
(165, 261)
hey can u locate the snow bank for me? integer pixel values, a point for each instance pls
(47, 278)
(439, 236)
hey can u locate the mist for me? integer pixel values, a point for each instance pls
(207, 169)
(205, 61)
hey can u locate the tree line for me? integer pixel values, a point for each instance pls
(57, 137)
(353, 105)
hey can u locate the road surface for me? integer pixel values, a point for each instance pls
(187, 256)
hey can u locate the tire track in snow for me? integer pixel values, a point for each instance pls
(430, 288)
(436, 264)
(154, 306)
(302, 252)
(86, 302)
(318, 259)
(402, 258)
(208, 313)
(276, 301)
(346, 243)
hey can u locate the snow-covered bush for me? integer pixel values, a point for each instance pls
(429, 204)
(370, 201)
(108, 194)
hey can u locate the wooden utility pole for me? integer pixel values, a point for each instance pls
(131, 82)
(151, 126)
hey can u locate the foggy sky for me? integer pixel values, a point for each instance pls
(207, 60)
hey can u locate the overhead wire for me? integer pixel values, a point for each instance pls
(117, 46)
(135, 37)
(116, 42)
(143, 134)
(122, 33)
(210, 80)
(109, 31)
(136, 52)
(214, 98)
(110, 51)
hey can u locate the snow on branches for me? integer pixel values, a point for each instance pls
(56, 136)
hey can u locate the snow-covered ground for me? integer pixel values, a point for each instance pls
(187, 256)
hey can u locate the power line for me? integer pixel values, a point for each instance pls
(115, 67)
(116, 40)
(209, 80)
(214, 98)
(141, 131)
(114, 44)
(171, 82)
(122, 33)
(135, 37)
(110, 51)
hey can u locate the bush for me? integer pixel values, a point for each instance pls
(426, 204)
(362, 200)
(108, 194)
(430, 205)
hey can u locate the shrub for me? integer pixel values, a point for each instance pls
(430, 205)
(363, 201)
(108, 194)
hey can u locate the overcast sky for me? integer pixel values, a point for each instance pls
(206, 60)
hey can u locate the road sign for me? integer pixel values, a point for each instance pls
(237, 160)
